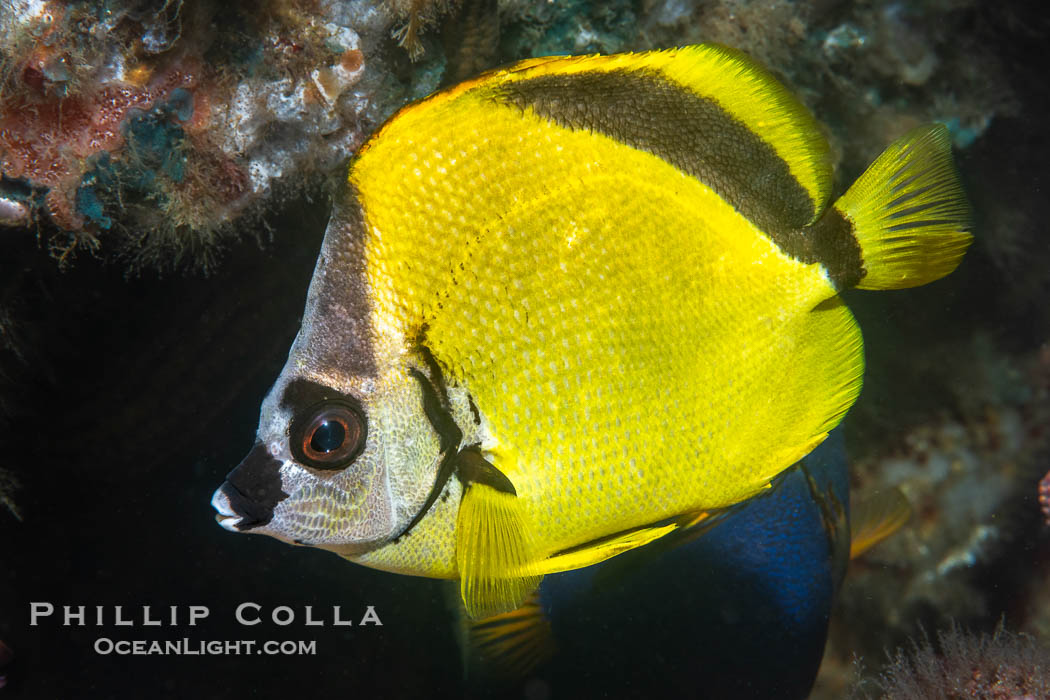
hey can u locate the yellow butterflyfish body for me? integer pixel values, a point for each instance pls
(571, 305)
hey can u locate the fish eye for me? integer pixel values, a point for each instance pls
(329, 436)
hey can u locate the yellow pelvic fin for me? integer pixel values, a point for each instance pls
(493, 551)
(595, 552)
(909, 213)
(875, 518)
(513, 643)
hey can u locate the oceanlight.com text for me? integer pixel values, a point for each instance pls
(197, 647)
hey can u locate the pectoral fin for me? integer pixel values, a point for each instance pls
(493, 543)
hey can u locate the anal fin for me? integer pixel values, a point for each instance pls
(593, 553)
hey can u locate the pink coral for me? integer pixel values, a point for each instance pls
(45, 140)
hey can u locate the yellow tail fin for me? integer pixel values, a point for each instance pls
(909, 212)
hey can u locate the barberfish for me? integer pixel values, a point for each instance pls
(571, 306)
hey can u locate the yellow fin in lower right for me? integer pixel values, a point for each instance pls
(909, 212)
(875, 518)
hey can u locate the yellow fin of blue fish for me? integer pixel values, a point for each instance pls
(875, 518)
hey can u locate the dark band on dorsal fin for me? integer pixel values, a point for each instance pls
(829, 241)
(644, 110)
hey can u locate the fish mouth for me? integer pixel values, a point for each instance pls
(251, 492)
(225, 515)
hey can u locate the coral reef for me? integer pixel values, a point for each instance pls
(143, 129)
(537, 28)
(415, 17)
(962, 665)
(146, 130)
(967, 555)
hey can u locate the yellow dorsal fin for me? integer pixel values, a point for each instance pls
(743, 89)
(875, 518)
(739, 85)
(595, 552)
(746, 91)
(751, 94)
(493, 551)
(513, 643)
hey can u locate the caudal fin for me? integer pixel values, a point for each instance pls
(909, 213)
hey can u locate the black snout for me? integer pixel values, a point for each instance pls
(253, 488)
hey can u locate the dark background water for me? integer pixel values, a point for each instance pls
(145, 394)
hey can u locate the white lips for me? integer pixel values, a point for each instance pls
(225, 517)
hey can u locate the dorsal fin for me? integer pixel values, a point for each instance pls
(708, 110)
(751, 94)
(744, 90)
